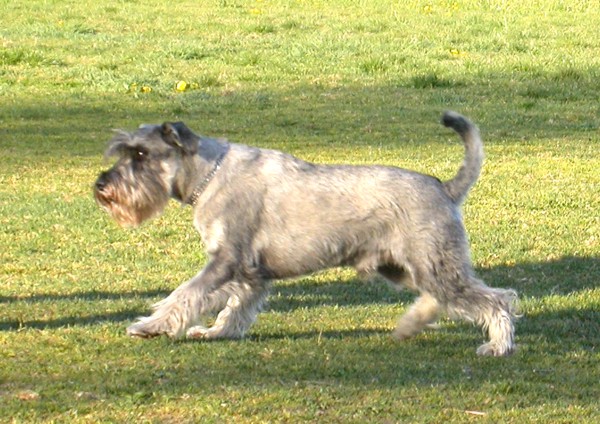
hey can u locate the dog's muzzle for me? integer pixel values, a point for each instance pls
(103, 191)
(101, 182)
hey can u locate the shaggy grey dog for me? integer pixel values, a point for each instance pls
(266, 215)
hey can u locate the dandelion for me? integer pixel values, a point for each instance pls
(255, 11)
(457, 53)
(428, 9)
(146, 89)
(181, 86)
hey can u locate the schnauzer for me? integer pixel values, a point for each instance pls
(266, 215)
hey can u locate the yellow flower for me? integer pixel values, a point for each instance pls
(457, 53)
(181, 86)
(146, 89)
(255, 11)
(428, 9)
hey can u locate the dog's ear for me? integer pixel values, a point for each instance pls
(178, 135)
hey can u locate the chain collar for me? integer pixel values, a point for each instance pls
(204, 183)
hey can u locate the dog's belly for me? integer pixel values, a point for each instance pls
(285, 257)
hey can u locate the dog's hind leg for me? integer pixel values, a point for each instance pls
(491, 308)
(244, 303)
(464, 296)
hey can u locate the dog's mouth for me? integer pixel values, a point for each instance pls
(105, 197)
(125, 214)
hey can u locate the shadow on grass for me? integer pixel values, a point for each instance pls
(342, 362)
(37, 301)
(568, 275)
(65, 322)
(562, 276)
(326, 117)
(91, 296)
(556, 353)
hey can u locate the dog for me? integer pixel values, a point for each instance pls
(266, 215)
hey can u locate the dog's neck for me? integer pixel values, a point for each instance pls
(197, 192)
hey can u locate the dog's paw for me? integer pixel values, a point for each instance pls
(495, 349)
(140, 329)
(197, 332)
(400, 334)
(148, 327)
(215, 332)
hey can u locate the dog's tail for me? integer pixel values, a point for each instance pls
(458, 187)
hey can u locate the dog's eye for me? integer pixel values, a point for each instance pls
(139, 154)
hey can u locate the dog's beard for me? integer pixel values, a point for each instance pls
(129, 206)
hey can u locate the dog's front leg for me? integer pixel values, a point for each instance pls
(243, 305)
(182, 308)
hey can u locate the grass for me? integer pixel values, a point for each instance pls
(354, 82)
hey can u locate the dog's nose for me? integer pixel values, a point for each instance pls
(101, 182)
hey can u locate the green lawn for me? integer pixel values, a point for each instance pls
(329, 81)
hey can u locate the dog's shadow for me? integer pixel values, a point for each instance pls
(568, 275)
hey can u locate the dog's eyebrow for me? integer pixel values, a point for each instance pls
(120, 143)
(147, 128)
(121, 136)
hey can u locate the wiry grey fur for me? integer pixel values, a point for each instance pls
(266, 215)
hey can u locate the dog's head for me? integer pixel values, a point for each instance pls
(140, 183)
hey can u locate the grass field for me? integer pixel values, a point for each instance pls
(330, 81)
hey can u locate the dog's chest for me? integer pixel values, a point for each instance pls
(212, 233)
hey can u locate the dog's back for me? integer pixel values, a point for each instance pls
(312, 216)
